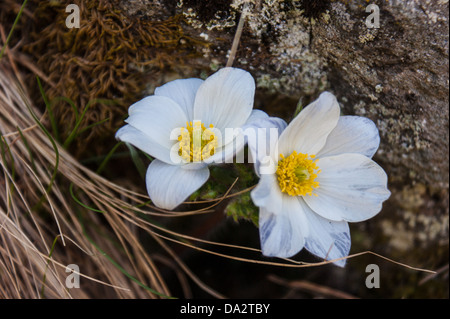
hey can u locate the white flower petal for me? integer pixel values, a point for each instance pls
(195, 166)
(308, 132)
(352, 134)
(352, 187)
(137, 138)
(225, 99)
(255, 116)
(157, 116)
(267, 194)
(327, 239)
(168, 185)
(262, 133)
(283, 235)
(183, 92)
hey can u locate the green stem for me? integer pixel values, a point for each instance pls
(12, 28)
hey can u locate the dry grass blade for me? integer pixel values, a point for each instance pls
(311, 287)
(237, 36)
(30, 266)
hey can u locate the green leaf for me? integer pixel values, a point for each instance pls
(137, 160)
(19, 14)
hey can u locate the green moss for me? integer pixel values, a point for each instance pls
(242, 208)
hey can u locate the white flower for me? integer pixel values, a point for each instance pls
(167, 125)
(323, 178)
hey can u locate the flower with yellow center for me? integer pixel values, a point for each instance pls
(197, 142)
(321, 177)
(181, 127)
(296, 174)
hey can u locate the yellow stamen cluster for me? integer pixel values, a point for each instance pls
(296, 174)
(196, 142)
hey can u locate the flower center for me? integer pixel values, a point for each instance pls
(296, 174)
(197, 142)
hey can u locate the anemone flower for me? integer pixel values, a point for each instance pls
(184, 127)
(323, 178)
